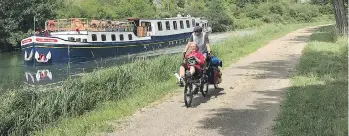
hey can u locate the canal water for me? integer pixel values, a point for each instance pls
(13, 74)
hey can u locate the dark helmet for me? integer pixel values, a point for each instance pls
(197, 29)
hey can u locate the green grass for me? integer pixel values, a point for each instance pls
(29, 109)
(317, 102)
(84, 105)
(96, 121)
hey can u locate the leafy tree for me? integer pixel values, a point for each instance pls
(181, 3)
(243, 3)
(195, 8)
(19, 16)
(218, 17)
(102, 9)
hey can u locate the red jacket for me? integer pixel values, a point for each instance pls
(200, 56)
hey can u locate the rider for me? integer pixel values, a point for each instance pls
(197, 67)
(201, 38)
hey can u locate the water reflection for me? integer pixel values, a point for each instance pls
(38, 76)
(42, 75)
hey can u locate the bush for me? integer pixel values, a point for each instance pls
(278, 12)
(254, 14)
(326, 9)
(267, 19)
(277, 8)
(164, 15)
(304, 12)
(246, 23)
(254, 11)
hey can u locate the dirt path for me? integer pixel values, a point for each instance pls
(252, 89)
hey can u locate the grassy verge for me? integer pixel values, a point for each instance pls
(81, 106)
(317, 102)
(229, 51)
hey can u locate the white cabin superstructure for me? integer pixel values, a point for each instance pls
(135, 29)
(172, 26)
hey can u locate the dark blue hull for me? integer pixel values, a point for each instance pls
(70, 53)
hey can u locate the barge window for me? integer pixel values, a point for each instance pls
(94, 37)
(160, 26)
(121, 37)
(147, 25)
(113, 37)
(104, 38)
(175, 25)
(188, 24)
(168, 25)
(181, 24)
(129, 36)
(193, 22)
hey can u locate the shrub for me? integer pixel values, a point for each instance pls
(326, 9)
(246, 23)
(267, 19)
(304, 12)
(277, 8)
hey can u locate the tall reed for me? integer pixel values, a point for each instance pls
(27, 109)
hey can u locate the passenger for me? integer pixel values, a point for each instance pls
(201, 38)
(197, 67)
(38, 31)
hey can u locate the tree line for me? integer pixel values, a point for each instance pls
(17, 17)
